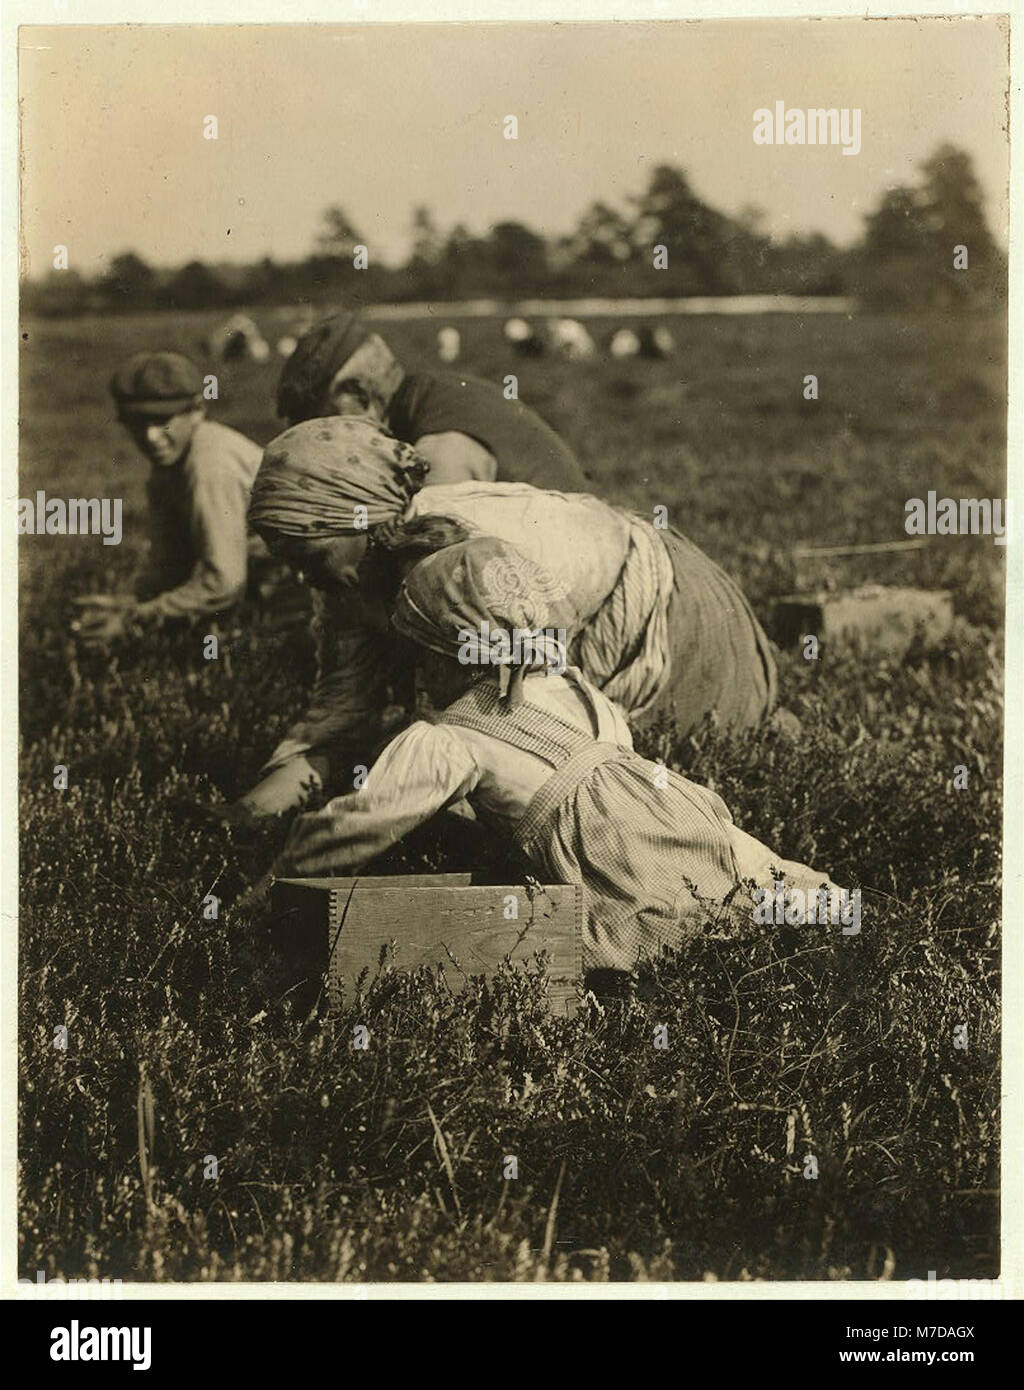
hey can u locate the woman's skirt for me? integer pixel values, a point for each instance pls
(675, 636)
(721, 659)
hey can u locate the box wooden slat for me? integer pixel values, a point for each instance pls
(882, 619)
(447, 920)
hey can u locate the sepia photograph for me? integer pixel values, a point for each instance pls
(512, 525)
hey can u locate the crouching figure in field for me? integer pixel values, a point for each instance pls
(201, 475)
(546, 761)
(658, 626)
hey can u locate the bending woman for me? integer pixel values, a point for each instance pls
(547, 761)
(658, 626)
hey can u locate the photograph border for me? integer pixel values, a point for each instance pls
(19, 16)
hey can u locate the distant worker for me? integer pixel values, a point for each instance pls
(236, 339)
(449, 344)
(201, 475)
(465, 428)
(301, 322)
(624, 343)
(523, 339)
(569, 339)
(657, 342)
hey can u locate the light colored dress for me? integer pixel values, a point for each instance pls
(662, 629)
(656, 854)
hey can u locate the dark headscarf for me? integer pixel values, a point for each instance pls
(308, 372)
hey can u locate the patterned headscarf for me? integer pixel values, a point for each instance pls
(314, 476)
(470, 600)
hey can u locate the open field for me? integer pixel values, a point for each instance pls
(684, 1163)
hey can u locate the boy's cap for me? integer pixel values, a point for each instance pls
(308, 372)
(156, 383)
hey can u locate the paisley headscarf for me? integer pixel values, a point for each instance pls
(314, 476)
(470, 600)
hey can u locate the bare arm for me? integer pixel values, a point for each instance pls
(456, 458)
(343, 716)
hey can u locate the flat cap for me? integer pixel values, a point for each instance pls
(156, 383)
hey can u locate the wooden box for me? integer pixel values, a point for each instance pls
(877, 618)
(340, 925)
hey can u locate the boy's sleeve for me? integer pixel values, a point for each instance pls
(419, 773)
(217, 524)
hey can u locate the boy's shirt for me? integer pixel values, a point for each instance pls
(524, 447)
(199, 543)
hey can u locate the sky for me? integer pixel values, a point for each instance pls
(381, 118)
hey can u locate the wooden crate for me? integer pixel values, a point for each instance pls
(878, 618)
(341, 925)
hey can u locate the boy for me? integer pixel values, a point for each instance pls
(201, 475)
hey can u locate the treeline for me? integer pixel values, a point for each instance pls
(925, 245)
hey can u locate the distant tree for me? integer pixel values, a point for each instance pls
(897, 227)
(751, 219)
(338, 237)
(264, 283)
(427, 241)
(596, 257)
(194, 286)
(59, 295)
(602, 236)
(906, 256)
(695, 236)
(952, 203)
(424, 269)
(129, 282)
(805, 265)
(518, 257)
(747, 262)
(465, 263)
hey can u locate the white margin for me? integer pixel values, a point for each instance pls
(79, 12)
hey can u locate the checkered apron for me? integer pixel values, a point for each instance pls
(650, 849)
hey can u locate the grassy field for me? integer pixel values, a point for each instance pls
(633, 1162)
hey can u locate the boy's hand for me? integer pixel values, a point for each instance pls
(102, 618)
(99, 627)
(104, 601)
